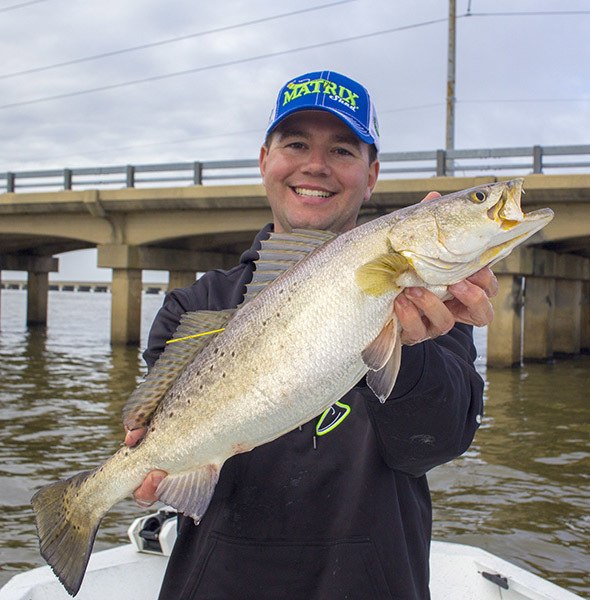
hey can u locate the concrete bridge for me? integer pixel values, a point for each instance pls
(194, 228)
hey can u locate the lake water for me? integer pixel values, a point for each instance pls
(521, 491)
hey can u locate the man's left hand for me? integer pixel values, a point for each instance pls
(424, 316)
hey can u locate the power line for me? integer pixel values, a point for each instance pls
(170, 40)
(21, 5)
(238, 61)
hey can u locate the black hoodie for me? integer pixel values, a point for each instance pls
(342, 515)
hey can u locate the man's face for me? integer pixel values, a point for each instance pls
(316, 173)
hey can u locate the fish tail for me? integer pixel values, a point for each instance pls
(66, 528)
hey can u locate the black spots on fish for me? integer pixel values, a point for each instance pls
(233, 353)
(278, 314)
(223, 374)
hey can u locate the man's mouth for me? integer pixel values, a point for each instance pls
(301, 191)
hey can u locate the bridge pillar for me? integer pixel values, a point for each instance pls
(126, 306)
(37, 292)
(128, 262)
(38, 269)
(568, 304)
(505, 333)
(180, 279)
(539, 306)
(585, 317)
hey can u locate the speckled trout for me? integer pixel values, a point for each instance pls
(317, 317)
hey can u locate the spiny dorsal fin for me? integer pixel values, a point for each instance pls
(147, 396)
(280, 252)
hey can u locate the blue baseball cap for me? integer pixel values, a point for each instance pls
(334, 93)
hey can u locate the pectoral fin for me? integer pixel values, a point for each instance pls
(379, 276)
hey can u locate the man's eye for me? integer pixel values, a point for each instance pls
(296, 145)
(343, 152)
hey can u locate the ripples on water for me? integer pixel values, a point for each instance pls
(520, 491)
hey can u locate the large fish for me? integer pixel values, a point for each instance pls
(317, 317)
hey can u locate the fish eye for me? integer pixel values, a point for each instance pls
(478, 197)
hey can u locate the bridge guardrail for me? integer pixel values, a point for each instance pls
(531, 159)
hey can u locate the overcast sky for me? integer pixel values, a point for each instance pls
(151, 81)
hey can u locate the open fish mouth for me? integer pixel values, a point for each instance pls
(507, 212)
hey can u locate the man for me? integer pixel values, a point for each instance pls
(344, 513)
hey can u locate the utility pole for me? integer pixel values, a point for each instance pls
(450, 128)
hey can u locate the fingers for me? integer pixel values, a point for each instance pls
(422, 315)
(470, 304)
(486, 280)
(145, 495)
(430, 196)
(134, 436)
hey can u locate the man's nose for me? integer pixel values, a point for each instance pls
(316, 163)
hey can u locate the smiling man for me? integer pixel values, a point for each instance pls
(339, 508)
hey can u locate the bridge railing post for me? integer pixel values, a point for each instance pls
(441, 163)
(10, 182)
(67, 179)
(198, 173)
(537, 159)
(130, 176)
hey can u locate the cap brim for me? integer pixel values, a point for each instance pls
(353, 125)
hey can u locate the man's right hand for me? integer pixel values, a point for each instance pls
(145, 495)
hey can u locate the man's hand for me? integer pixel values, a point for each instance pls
(145, 495)
(424, 316)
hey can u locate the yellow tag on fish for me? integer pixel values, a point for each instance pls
(196, 335)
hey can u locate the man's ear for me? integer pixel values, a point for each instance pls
(262, 160)
(372, 179)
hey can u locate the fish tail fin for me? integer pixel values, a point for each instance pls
(66, 529)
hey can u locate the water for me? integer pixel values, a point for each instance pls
(521, 491)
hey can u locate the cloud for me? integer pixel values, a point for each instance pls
(219, 112)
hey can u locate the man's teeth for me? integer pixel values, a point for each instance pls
(318, 193)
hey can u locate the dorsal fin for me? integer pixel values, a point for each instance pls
(280, 252)
(193, 335)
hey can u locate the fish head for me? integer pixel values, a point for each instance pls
(451, 237)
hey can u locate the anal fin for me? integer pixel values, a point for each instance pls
(190, 493)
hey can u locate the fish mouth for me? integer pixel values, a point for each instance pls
(514, 225)
(507, 212)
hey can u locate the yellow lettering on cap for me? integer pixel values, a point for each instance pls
(329, 87)
(351, 96)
